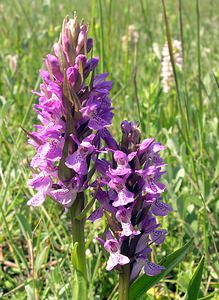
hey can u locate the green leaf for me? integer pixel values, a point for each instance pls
(24, 225)
(208, 296)
(5, 109)
(40, 259)
(79, 290)
(144, 283)
(29, 291)
(74, 256)
(194, 285)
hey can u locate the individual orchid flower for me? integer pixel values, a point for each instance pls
(122, 161)
(124, 196)
(142, 262)
(42, 183)
(123, 215)
(112, 246)
(152, 269)
(158, 236)
(78, 160)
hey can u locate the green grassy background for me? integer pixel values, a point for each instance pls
(35, 244)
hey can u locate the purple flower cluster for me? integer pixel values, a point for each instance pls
(129, 194)
(74, 110)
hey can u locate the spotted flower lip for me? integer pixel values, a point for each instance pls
(98, 113)
(78, 160)
(73, 111)
(159, 208)
(152, 269)
(40, 181)
(63, 196)
(38, 198)
(124, 196)
(152, 175)
(158, 236)
(116, 259)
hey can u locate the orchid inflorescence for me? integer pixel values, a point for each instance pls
(74, 108)
(129, 194)
(71, 144)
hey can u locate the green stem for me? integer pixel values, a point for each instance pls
(124, 283)
(78, 233)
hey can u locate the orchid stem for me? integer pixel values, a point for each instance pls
(78, 233)
(124, 278)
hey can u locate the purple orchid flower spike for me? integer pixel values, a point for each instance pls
(73, 111)
(130, 198)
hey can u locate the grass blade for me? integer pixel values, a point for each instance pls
(194, 285)
(101, 37)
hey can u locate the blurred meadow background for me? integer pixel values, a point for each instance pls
(35, 244)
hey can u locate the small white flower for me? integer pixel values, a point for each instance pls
(131, 37)
(88, 253)
(12, 62)
(167, 75)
